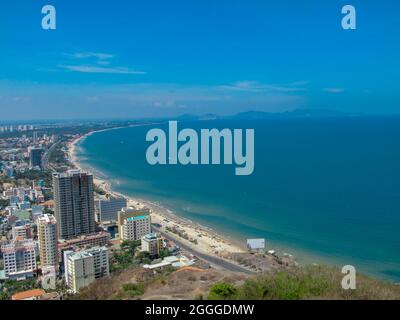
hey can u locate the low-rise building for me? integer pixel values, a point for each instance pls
(80, 270)
(3, 227)
(49, 278)
(171, 261)
(34, 294)
(19, 259)
(92, 240)
(24, 205)
(101, 261)
(152, 243)
(83, 267)
(22, 231)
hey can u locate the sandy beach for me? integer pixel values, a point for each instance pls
(202, 238)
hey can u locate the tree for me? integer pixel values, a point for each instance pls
(13, 286)
(3, 296)
(130, 246)
(164, 253)
(222, 291)
(4, 203)
(143, 257)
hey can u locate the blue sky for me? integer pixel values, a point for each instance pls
(148, 58)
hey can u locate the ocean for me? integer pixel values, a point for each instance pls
(326, 190)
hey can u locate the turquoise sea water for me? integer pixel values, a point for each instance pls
(326, 190)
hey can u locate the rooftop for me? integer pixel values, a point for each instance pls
(49, 203)
(14, 246)
(79, 255)
(70, 173)
(46, 218)
(137, 218)
(30, 294)
(152, 236)
(102, 234)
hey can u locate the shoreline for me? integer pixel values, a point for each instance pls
(208, 241)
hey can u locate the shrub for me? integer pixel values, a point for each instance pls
(285, 285)
(313, 282)
(133, 290)
(222, 291)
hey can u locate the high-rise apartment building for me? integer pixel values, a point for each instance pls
(35, 137)
(133, 223)
(74, 203)
(35, 157)
(47, 236)
(107, 209)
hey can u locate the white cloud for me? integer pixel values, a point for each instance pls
(96, 62)
(97, 55)
(334, 90)
(255, 86)
(137, 99)
(95, 69)
(21, 99)
(93, 99)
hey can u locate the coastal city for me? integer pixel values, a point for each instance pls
(199, 157)
(66, 234)
(63, 229)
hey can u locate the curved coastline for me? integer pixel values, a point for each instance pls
(211, 241)
(208, 240)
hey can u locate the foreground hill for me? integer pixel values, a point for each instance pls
(312, 282)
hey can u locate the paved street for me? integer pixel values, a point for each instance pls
(214, 261)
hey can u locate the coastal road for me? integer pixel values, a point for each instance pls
(212, 260)
(45, 159)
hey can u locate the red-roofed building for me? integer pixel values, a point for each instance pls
(34, 294)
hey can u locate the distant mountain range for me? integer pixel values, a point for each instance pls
(260, 115)
(207, 116)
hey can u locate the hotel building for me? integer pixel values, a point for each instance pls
(133, 223)
(107, 209)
